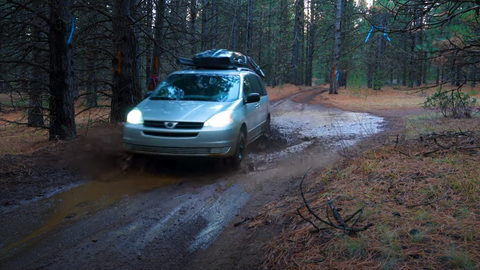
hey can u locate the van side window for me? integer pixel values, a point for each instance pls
(247, 87)
(262, 86)
(257, 85)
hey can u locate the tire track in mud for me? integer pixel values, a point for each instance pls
(304, 100)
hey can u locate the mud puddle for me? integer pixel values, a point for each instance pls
(76, 203)
(306, 132)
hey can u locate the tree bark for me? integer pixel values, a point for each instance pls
(2, 38)
(473, 73)
(126, 91)
(157, 45)
(35, 93)
(205, 19)
(234, 27)
(311, 45)
(404, 66)
(193, 26)
(297, 38)
(336, 48)
(214, 24)
(379, 73)
(92, 84)
(62, 111)
(269, 71)
(248, 28)
(414, 57)
(148, 48)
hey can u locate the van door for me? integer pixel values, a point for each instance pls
(264, 108)
(252, 120)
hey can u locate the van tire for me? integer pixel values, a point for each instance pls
(240, 151)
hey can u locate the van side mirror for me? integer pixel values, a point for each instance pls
(253, 97)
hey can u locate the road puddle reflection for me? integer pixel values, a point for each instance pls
(86, 199)
(331, 125)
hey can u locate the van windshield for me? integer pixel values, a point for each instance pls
(204, 87)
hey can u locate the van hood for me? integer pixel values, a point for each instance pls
(181, 110)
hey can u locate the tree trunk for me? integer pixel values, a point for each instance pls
(311, 46)
(473, 73)
(234, 27)
(92, 84)
(269, 70)
(35, 93)
(418, 73)
(413, 61)
(193, 26)
(379, 68)
(297, 37)
(425, 67)
(414, 57)
(126, 92)
(2, 38)
(35, 101)
(213, 25)
(336, 48)
(370, 76)
(148, 47)
(404, 66)
(205, 19)
(91, 67)
(248, 28)
(157, 45)
(62, 111)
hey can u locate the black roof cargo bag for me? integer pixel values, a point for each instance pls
(221, 59)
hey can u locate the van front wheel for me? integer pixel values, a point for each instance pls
(240, 151)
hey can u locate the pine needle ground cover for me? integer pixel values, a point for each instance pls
(17, 137)
(363, 99)
(417, 189)
(415, 193)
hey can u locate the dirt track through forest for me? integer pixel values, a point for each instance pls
(167, 214)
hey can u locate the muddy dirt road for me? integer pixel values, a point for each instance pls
(178, 214)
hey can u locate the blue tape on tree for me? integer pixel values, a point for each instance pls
(71, 32)
(385, 34)
(376, 27)
(369, 33)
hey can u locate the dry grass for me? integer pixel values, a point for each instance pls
(364, 99)
(419, 187)
(284, 91)
(422, 198)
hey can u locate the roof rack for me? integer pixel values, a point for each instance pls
(221, 59)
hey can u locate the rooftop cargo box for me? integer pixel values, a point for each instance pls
(221, 59)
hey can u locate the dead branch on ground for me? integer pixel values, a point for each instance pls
(445, 141)
(341, 224)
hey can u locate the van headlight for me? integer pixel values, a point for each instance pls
(135, 117)
(220, 119)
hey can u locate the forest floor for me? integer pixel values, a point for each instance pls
(416, 186)
(417, 183)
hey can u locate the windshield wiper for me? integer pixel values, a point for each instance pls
(162, 98)
(201, 98)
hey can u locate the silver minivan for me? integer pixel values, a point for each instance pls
(201, 112)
